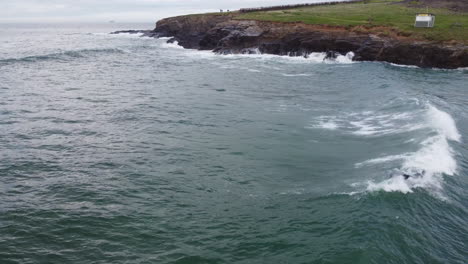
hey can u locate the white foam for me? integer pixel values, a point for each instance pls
(330, 125)
(382, 160)
(173, 45)
(364, 128)
(325, 122)
(346, 193)
(435, 156)
(313, 58)
(369, 123)
(404, 66)
(316, 57)
(254, 53)
(444, 123)
(121, 35)
(393, 184)
(345, 59)
(430, 163)
(295, 75)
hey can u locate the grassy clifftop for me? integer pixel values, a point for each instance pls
(385, 17)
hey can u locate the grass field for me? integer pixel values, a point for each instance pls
(376, 14)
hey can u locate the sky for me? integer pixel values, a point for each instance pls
(37, 11)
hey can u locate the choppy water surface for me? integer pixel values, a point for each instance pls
(120, 149)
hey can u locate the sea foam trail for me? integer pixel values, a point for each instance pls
(370, 123)
(430, 163)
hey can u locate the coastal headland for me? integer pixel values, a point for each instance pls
(378, 30)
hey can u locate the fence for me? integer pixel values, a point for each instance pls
(282, 7)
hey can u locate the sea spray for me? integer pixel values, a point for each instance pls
(314, 57)
(430, 163)
(426, 166)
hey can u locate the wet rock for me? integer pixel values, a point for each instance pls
(225, 35)
(145, 33)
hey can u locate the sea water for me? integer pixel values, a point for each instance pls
(126, 149)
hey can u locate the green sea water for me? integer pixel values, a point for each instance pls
(122, 149)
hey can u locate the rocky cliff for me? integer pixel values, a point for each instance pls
(223, 34)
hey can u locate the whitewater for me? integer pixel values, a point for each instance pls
(129, 149)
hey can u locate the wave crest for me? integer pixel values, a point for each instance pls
(60, 56)
(430, 163)
(425, 167)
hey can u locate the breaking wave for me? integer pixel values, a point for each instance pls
(315, 57)
(173, 45)
(427, 166)
(255, 53)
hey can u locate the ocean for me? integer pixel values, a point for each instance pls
(126, 149)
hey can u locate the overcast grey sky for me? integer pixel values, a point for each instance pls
(118, 10)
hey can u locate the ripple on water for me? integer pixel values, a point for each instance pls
(124, 150)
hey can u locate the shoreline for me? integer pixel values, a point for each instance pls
(330, 56)
(225, 35)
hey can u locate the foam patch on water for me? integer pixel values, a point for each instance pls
(385, 124)
(404, 66)
(328, 125)
(324, 123)
(296, 75)
(382, 160)
(369, 123)
(120, 35)
(417, 67)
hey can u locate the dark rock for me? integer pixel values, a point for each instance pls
(225, 35)
(145, 33)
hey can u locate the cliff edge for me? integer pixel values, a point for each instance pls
(369, 37)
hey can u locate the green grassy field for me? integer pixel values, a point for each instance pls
(397, 18)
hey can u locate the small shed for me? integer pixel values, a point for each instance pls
(425, 20)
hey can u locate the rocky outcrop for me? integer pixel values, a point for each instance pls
(144, 33)
(223, 34)
(189, 30)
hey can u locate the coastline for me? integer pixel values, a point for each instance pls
(225, 35)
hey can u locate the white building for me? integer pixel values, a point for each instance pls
(425, 20)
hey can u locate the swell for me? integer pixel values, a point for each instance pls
(61, 56)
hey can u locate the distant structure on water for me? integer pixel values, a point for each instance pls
(425, 20)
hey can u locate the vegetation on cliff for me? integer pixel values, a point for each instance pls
(384, 17)
(373, 30)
